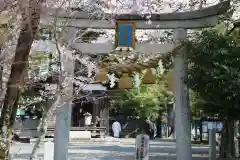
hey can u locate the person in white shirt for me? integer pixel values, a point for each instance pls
(116, 127)
(155, 130)
(87, 119)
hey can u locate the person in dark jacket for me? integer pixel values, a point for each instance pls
(151, 128)
(148, 128)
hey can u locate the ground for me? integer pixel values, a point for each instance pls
(112, 151)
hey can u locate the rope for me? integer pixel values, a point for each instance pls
(152, 63)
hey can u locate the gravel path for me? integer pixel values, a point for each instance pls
(111, 151)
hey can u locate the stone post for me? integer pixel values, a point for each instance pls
(142, 147)
(182, 120)
(64, 112)
(48, 150)
(212, 144)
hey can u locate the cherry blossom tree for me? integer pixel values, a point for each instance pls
(30, 18)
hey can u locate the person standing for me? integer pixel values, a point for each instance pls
(88, 119)
(150, 130)
(21, 114)
(116, 127)
(154, 130)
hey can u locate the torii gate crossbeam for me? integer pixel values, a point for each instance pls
(203, 18)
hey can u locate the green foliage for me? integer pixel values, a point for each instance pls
(214, 72)
(147, 101)
(196, 105)
(31, 98)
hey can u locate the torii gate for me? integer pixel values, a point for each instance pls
(180, 22)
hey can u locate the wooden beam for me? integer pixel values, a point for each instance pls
(105, 24)
(106, 48)
(77, 13)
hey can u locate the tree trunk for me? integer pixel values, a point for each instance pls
(1, 81)
(12, 117)
(31, 18)
(227, 149)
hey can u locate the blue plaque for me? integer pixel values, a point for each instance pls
(125, 34)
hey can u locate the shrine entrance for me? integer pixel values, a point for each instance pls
(91, 114)
(80, 108)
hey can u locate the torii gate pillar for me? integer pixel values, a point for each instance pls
(182, 119)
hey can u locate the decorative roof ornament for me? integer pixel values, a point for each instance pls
(152, 63)
(125, 69)
(149, 78)
(125, 82)
(101, 76)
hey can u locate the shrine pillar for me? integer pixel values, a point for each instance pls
(104, 114)
(182, 119)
